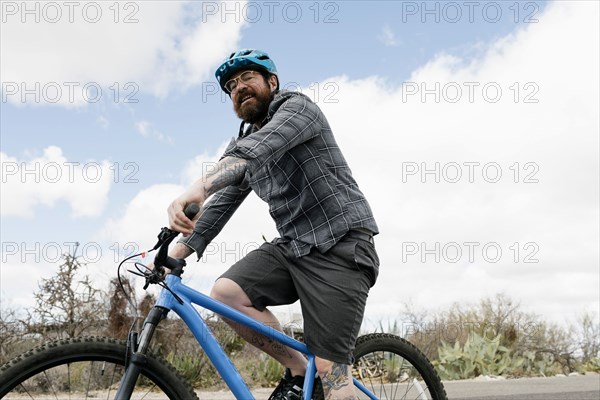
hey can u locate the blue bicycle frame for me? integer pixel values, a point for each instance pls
(213, 349)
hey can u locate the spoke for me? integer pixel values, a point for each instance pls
(420, 391)
(112, 379)
(368, 375)
(73, 370)
(149, 390)
(382, 373)
(398, 379)
(51, 386)
(87, 389)
(407, 389)
(408, 374)
(69, 378)
(26, 391)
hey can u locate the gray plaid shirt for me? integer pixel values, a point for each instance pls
(295, 165)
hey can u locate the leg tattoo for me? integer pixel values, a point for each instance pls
(337, 380)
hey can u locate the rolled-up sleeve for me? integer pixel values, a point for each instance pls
(297, 120)
(217, 212)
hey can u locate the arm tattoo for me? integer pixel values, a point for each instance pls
(230, 171)
(336, 379)
(258, 340)
(280, 348)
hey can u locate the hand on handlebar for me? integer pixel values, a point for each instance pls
(178, 220)
(175, 257)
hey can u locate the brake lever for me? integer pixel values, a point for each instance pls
(155, 275)
(166, 236)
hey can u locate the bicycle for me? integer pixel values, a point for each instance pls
(386, 366)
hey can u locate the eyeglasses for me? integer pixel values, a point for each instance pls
(245, 77)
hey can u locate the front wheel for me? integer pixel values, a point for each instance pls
(85, 368)
(392, 368)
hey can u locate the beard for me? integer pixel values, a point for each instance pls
(255, 109)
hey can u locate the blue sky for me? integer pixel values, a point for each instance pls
(360, 54)
(347, 39)
(325, 39)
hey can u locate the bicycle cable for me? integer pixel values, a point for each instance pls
(122, 286)
(165, 237)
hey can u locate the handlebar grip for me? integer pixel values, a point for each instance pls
(191, 210)
(166, 235)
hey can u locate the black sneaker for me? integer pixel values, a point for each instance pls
(289, 388)
(317, 393)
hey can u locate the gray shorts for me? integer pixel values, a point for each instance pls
(332, 288)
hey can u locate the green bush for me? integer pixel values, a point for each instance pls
(522, 344)
(265, 373)
(592, 365)
(196, 369)
(477, 356)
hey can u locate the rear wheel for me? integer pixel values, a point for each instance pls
(85, 368)
(392, 368)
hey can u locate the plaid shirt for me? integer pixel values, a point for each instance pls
(295, 165)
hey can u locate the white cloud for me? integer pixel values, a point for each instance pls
(103, 122)
(554, 62)
(144, 215)
(202, 164)
(50, 178)
(381, 127)
(147, 130)
(162, 47)
(147, 212)
(18, 281)
(388, 37)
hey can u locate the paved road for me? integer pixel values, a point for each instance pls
(556, 388)
(565, 388)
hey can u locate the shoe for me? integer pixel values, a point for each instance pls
(289, 387)
(317, 393)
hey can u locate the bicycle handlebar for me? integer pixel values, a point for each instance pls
(165, 237)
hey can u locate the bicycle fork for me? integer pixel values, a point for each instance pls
(136, 352)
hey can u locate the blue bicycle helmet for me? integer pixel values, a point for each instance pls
(244, 59)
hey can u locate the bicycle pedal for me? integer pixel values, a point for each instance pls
(293, 396)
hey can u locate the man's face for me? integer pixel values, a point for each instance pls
(251, 97)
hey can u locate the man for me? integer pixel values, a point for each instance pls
(287, 155)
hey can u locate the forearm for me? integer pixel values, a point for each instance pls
(180, 250)
(215, 215)
(229, 171)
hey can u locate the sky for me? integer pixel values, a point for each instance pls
(471, 127)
